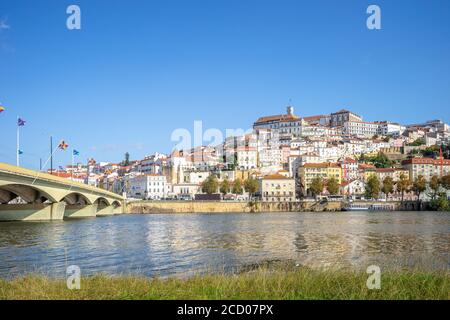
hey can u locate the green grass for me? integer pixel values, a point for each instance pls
(258, 284)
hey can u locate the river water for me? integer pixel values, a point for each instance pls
(185, 244)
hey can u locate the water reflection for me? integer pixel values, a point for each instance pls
(185, 244)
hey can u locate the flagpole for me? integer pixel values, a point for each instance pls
(71, 172)
(51, 155)
(45, 164)
(18, 143)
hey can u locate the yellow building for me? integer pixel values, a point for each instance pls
(309, 171)
(277, 188)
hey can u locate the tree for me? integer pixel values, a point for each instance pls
(403, 185)
(225, 186)
(333, 186)
(388, 185)
(210, 184)
(316, 186)
(435, 186)
(381, 161)
(373, 187)
(440, 204)
(237, 186)
(251, 186)
(416, 143)
(445, 180)
(126, 162)
(419, 186)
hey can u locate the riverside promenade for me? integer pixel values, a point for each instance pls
(254, 207)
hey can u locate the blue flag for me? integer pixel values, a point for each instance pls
(76, 153)
(20, 122)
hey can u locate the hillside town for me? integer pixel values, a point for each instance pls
(287, 158)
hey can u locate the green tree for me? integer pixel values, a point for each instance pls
(418, 142)
(440, 204)
(237, 186)
(403, 185)
(251, 186)
(445, 181)
(333, 186)
(126, 161)
(210, 184)
(316, 186)
(225, 186)
(435, 186)
(419, 186)
(373, 187)
(388, 185)
(381, 161)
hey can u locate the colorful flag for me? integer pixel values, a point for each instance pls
(21, 122)
(63, 145)
(76, 153)
(19, 151)
(2, 108)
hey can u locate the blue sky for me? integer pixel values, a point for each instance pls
(137, 70)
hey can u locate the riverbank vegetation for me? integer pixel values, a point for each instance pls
(261, 283)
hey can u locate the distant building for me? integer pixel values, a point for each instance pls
(149, 186)
(277, 188)
(338, 119)
(359, 128)
(353, 188)
(246, 158)
(426, 167)
(324, 171)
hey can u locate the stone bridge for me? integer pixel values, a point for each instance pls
(31, 195)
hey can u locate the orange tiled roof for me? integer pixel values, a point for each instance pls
(280, 117)
(276, 176)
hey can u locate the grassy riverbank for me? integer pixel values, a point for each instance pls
(257, 284)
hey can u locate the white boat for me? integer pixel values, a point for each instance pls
(356, 207)
(368, 207)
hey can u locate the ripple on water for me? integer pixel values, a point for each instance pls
(184, 244)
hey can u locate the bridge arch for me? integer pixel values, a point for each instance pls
(76, 198)
(30, 194)
(101, 201)
(116, 204)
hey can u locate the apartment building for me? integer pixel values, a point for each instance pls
(277, 188)
(426, 167)
(361, 129)
(325, 171)
(149, 186)
(337, 119)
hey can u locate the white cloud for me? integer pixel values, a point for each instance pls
(4, 25)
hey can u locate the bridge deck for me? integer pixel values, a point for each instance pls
(10, 169)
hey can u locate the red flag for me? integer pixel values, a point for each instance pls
(63, 145)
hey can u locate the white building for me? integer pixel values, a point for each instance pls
(390, 128)
(361, 129)
(185, 190)
(246, 158)
(149, 186)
